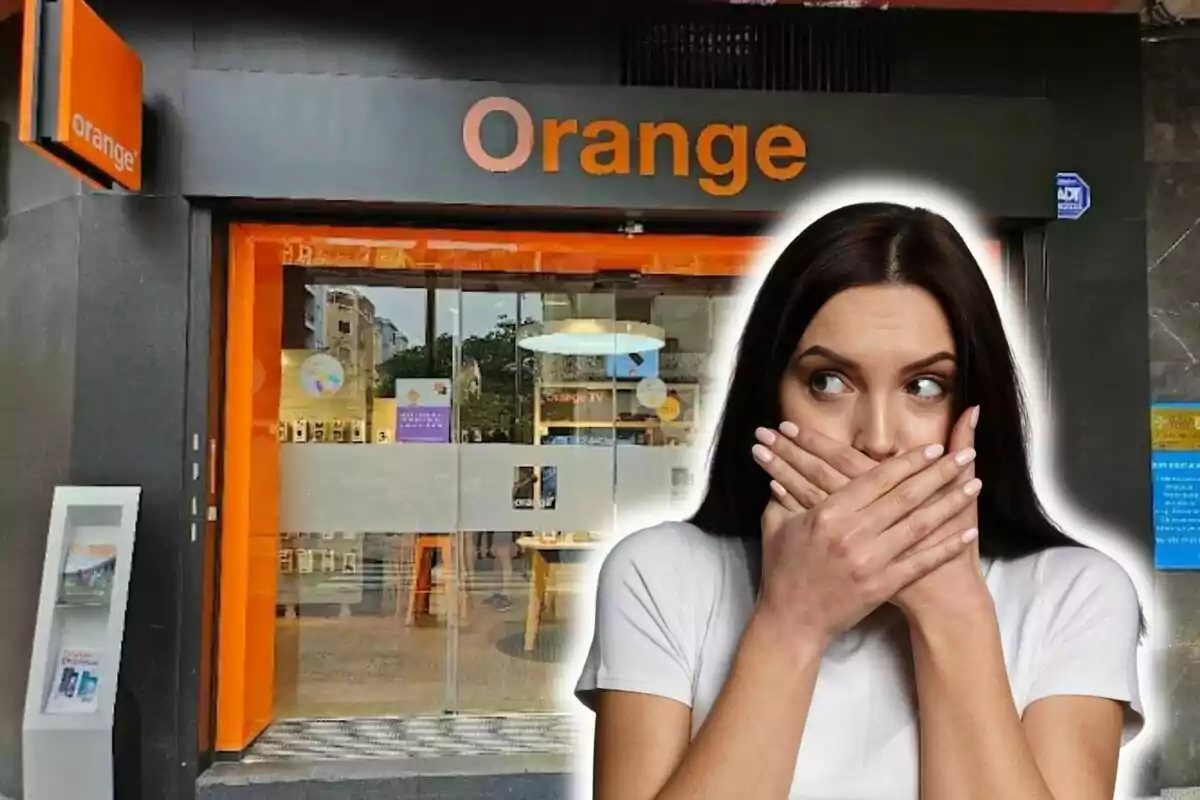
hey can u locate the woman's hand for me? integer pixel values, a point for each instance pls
(815, 466)
(828, 567)
(955, 585)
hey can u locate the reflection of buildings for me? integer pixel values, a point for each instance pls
(350, 331)
(314, 316)
(388, 340)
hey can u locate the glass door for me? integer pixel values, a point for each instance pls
(536, 466)
(367, 492)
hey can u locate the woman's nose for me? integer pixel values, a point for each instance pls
(877, 431)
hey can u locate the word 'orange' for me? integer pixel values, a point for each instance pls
(779, 150)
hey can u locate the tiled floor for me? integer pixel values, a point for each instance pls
(416, 737)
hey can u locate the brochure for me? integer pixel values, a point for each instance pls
(87, 578)
(76, 682)
(524, 479)
(549, 488)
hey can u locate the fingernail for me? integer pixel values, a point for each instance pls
(778, 489)
(765, 436)
(964, 456)
(974, 420)
(934, 450)
(789, 429)
(973, 486)
(761, 454)
(969, 536)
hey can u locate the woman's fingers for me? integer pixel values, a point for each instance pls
(813, 465)
(964, 519)
(902, 572)
(801, 489)
(822, 462)
(882, 485)
(923, 527)
(840, 457)
(813, 468)
(962, 436)
(784, 498)
(914, 490)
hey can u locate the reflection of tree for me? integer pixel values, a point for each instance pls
(498, 405)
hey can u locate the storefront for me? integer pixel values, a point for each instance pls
(427, 429)
(429, 341)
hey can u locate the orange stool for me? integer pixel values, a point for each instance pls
(421, 586)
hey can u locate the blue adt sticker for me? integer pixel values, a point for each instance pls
(1074, 196)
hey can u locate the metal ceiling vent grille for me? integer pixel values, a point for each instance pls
(769, 53)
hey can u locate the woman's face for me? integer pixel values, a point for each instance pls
(875, 369)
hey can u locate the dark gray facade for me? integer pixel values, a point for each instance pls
(1172, 75)
(96, 285)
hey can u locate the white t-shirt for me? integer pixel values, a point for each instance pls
(673, 602)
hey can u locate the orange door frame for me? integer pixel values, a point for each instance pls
(250, 495)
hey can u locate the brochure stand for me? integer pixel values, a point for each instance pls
(77, 644)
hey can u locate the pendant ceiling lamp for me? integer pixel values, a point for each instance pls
(591, 337)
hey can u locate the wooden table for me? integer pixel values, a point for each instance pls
(545, 555)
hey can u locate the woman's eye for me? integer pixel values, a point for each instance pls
(926, 387)
(827, 383)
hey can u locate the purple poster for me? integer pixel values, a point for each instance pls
(423, 410)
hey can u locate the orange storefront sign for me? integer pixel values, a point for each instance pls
(81, 94)
(723, 151)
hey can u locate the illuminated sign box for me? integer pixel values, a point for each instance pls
(81, 94)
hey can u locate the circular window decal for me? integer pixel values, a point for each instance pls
(322, 375)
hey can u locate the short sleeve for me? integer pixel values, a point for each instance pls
(644, 640)
(1092, 628)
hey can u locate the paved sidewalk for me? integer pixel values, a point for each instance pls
(542, 777)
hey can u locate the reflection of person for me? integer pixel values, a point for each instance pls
(490, 544)
(850, 569)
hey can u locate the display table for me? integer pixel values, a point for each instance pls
(546, 554)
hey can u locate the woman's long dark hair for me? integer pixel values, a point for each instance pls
(867, 245)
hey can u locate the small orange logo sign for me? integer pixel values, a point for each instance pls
(83, 107)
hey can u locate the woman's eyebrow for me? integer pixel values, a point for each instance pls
(929, 361)
(849, 363)
(826, 353)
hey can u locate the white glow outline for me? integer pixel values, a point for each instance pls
(1043, 460)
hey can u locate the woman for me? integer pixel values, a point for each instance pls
(852, 613)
